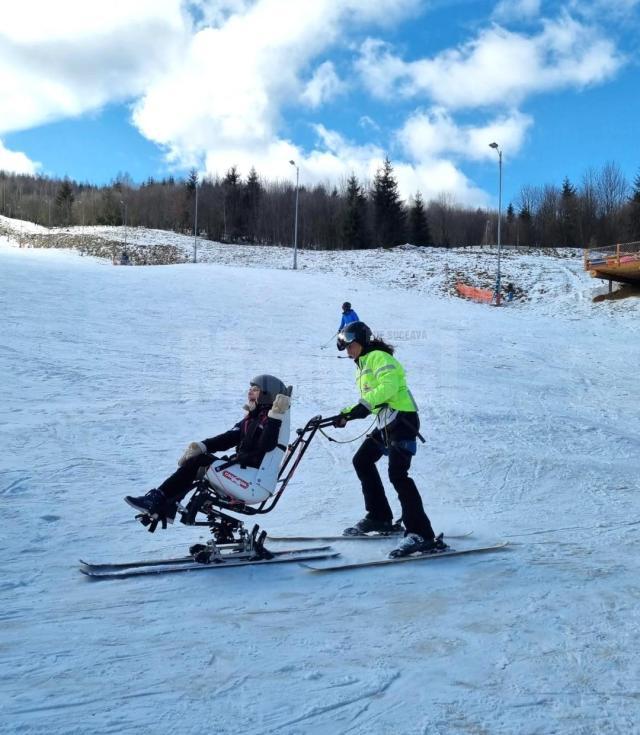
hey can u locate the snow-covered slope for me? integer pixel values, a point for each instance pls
(552, 276)
(530, 414)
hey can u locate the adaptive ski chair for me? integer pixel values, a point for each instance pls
(226, 485)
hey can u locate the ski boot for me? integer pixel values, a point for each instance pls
(413, 543)
(153, 506)
(150, 503)
(369, 525)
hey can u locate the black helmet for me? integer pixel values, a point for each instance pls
(354, 332)
(346, 306)
(269, 386)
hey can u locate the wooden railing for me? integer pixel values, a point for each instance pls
(612, 255)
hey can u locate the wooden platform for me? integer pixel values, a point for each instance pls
(619, 263)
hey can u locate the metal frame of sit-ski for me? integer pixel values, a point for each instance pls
(229, 533)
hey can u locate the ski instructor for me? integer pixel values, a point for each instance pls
(384, 392)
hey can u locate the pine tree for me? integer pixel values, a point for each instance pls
(192, 180)
(633, 222)
(251, 200)
(388, 211)
(419, 231)
(524, 225)
(64, 201)
(568, 215)
(232, 187)
(354, 222)
(511, 226)
(110, 211)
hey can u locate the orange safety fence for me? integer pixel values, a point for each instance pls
(483, 295)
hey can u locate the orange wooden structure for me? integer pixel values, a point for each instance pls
(614, 263)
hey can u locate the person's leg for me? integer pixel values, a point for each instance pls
(177, 485)
(413, 514)
(162, 500)
(364, 462)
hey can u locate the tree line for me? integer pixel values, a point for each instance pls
(603, 208)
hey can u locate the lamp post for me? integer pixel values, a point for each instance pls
(124, 204)
(295, 228)
(497, 148)
(195, 228)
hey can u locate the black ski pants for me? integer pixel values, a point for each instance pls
(364, 461)
(177, 485)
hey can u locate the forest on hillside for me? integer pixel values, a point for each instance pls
(602, 209)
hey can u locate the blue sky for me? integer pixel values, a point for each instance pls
(156, 87)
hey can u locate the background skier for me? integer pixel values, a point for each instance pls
(253, 436)
(348, 316)
(384, 392)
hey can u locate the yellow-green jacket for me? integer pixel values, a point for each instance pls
(381, 380)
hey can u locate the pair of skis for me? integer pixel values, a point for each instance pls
(122, 570)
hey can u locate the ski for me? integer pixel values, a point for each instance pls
(414, 557)
(362, 537)
(196, 567)
(105, 566)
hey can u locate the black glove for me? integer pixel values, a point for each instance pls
(340, 421)
(359, 411)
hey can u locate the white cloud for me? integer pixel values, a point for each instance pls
(216, 13)
(214, 87)
(16, 162)
(430, 174)
(367, 122)
(437, 177)
(514, 10)
(499, 67)
(62, 59)
(227, 92)
(426, 135)
(594, 9)
(324, 86)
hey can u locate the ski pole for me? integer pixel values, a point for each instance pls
(326, 344)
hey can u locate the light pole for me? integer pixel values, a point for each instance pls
(124, 204)
(195, 228)
(497, 148)
(295, 228)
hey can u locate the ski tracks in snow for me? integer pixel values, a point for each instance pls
(322, 718)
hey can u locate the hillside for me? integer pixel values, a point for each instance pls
(533, 436)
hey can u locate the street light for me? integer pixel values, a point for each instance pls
(497, 148)
(124, 204)
(295, 229)
(195, 228)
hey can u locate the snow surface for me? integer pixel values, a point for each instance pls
(531, 417)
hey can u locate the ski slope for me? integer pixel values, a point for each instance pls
(531, 418)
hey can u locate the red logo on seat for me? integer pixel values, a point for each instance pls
(235, 479)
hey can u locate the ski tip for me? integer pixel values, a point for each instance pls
(310, 568)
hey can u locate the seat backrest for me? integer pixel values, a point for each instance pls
(251, 485)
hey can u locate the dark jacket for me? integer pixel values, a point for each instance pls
(252, 437)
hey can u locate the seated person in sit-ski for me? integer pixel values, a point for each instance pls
(253, 437)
